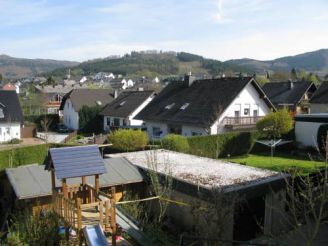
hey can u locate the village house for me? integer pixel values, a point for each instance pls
(52, 96)
(121, 111)
(319, 100)
(205, 107)
(195, 179)
(11, 87)
(77, 98)
(11, 116)
(294, 96)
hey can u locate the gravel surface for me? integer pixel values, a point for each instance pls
(197, 170)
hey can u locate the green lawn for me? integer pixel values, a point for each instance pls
(279, 162)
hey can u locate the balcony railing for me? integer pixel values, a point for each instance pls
(241, 121)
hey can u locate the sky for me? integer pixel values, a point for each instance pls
(80, 30)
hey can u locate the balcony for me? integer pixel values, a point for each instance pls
(233, 123)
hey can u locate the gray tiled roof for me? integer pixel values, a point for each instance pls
(33, 180)
(282, 93)
(70, 162)
(10, 107)
(88, 97)
(126, 103)
(321, 95)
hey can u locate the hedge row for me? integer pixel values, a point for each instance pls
(214, 146)
(25, 155)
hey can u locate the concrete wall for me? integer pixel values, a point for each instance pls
(319, 108)
(306, 133)
(9, 131)
(71, 117)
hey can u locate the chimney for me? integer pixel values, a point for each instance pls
(290, 84)
(188, 80)
(115, 93)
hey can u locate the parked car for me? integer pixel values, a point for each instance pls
(61, 128)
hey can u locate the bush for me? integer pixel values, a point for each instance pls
(275, 124)
(128, 139)
(34, 230)
(14, 141)
(321, 138)
(175, 142)
(233, 144)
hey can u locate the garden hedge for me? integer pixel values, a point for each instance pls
(128, 139)
(176, 143)
(214, 146)
(18, 156)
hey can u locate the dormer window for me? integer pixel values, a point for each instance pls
(169, 106)
(184, 106)
(122, 103)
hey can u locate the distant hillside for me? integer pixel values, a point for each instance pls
(152, 64)
(316, 61)
(11, 67)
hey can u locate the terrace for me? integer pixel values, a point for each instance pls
(241, 122)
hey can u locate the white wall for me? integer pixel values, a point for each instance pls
(134, 122)
(71, 118)
(306, 133)
(9, 131)
(248, 98)
(319, 108)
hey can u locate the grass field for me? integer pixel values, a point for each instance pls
(279, 162)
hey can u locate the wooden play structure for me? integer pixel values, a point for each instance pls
(78, 202)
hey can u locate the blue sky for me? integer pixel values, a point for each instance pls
(221, 29)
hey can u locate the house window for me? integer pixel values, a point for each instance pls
(108, 121)
(157, 132)
(116, 122)
(195, 134)
(174, 129)
(246, 111)
(124, 122)
(255, 113)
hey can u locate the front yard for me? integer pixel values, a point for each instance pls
(279, 162)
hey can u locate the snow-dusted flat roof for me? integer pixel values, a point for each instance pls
(198, 170)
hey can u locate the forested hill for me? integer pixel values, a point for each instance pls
(152, 64)
(12, 68)
(315, 61)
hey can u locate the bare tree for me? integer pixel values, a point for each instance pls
(160, 177)
(306, 205)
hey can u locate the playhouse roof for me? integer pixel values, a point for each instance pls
(79, 161)
(31, 181)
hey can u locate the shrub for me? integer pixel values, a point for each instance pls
(128, 139)
(14, 141)
(175, 142)
(233, 144)
(34, 230)
(275, 124)
(322, 137)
